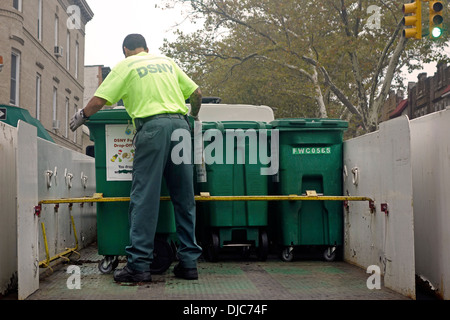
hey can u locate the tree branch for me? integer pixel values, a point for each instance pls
(375, 110)
(339, 94)
(381, 62)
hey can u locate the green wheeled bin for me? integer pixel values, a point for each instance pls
(233, 168)
(310, 159)
(112, 132)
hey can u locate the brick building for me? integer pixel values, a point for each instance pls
(42, 44)
(438, 87)
(427, 95)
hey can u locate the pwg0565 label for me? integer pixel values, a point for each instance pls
(312, 150)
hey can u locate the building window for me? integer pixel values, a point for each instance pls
(75, 109)
(39, 21)
(15, 83)
(38, 96)
(17, 4)
(68, 51)
(66, 134)
(56, 31)
(77, 48)
(55, 105)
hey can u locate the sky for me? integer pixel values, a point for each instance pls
(114, 19)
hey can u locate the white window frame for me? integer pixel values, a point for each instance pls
(68, 51)
(39, 21)
(55, 104)
(66, 133)
(75, 109)
(16, 86)
(77, 52)
(19, 5)
(38, 95)
(56, 31)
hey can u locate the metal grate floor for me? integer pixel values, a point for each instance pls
(230, 279)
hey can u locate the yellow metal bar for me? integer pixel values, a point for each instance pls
(280, 198)
(74, 232)
(46, 263)
(98, 198)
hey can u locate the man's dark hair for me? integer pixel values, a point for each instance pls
(134, 41)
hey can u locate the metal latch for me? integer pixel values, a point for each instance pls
(385, 208)
(37, 210)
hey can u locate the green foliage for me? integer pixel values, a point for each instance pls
(267, 52)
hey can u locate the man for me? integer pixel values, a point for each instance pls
(154, 90)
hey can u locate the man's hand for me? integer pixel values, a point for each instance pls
(196, 103)
(77, 120)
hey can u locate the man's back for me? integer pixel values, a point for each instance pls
(148, 85)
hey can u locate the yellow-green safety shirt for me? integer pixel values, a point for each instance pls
(148, 85)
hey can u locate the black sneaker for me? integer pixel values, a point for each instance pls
(185, 273)
(129, 275)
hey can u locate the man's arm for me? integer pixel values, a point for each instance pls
(94, 105)
(196, 102)
(80, 117)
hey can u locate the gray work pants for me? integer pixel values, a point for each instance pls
(152, 161)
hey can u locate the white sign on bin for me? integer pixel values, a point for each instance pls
(119, 152)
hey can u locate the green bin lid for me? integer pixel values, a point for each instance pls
(309, 123)
(12, 115)
(109, 116)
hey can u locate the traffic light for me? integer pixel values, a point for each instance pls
(412, 18)
(436, 19)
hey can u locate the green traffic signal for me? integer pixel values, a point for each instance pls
(436, 32)
(436, 19)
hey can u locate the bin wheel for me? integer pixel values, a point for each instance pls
(287, 254)
(213, 247)
(108, 264)
(245, 252)
(263, 249)
(329, 254)
(162, 256)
